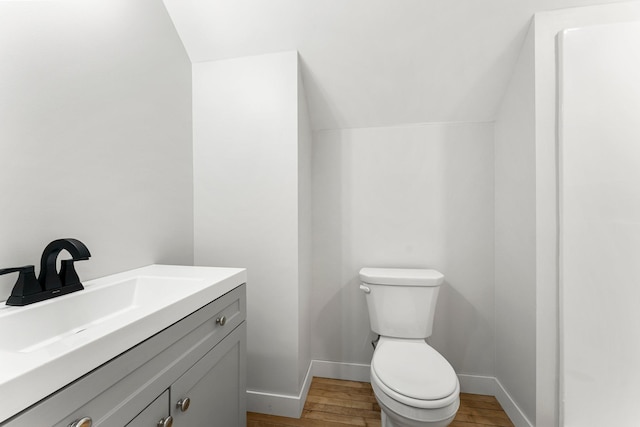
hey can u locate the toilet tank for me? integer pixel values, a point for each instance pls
(401, 301)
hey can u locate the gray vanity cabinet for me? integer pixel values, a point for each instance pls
(154, 413)
(201, 357)
(213, 387)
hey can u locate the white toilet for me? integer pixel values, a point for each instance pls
(414, 385)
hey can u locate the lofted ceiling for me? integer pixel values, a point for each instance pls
(371, 63)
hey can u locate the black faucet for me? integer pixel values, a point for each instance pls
(49, 283)
(49, 278)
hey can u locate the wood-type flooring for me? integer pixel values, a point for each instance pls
(338, 403)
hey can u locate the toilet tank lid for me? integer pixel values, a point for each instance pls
(401, 276)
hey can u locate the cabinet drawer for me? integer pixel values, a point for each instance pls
(115, 393)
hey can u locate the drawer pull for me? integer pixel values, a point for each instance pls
(221, 320)
(82, 422)
(183, 404)
(166, 422)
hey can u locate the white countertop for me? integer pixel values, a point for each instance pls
(32, 369)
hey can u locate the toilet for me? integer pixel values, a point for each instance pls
(414, 385)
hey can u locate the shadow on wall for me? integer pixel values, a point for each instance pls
(464, 324)
(345, 333)
(468, 325)
(340, 326)
(316, 96)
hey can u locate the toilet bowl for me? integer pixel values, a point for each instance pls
(413, 383)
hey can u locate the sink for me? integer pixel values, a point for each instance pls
(49, 344)
(77, 313)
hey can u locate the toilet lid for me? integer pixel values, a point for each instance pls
(414, 369)
(401, 276)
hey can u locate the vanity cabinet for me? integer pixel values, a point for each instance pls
(200, 358)
(212, 388)
(154, 414)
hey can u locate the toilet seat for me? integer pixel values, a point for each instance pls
(414, 374)
(437, 416)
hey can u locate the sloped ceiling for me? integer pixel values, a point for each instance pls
(370, 63)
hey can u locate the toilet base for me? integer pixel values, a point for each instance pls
(387, 422)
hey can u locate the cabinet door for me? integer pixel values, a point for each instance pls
(153, 414)
(215, 386)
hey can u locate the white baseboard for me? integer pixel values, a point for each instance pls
(273, 404)
(513, 411)
(283, 405)
(341, 371)
(491, 386)
(292, 405)
(477, 384)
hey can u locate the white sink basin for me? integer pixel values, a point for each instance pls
(73, 314)
(46, 345)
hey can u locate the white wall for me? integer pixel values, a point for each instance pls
(599, 217)
(95, 134)
(247, 175)
(305, 237)
(413, 196)
(547, 26)
(515, 236)
(513, 278)
(376, 62)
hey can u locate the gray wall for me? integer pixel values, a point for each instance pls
(95, 134)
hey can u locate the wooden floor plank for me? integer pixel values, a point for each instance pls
(335, 394)
(479, 412)
(334, 418)
(263, 420)
(457, 423)
(342, 410)
(337, 403)
(344, 389)
(341, 383)
(341, 402)
(484, 420)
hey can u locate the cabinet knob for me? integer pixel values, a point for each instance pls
(183, 404)
(82, 422)
(166, 422)
(221, 320)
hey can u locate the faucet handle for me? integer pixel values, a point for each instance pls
(25, 268)
(27, 283)
(68, 275)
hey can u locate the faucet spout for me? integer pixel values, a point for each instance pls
(49, 278)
